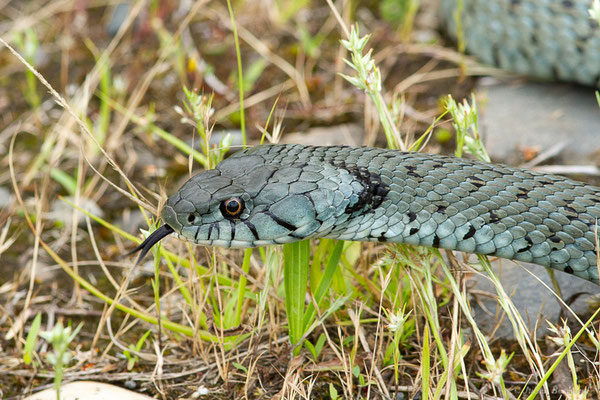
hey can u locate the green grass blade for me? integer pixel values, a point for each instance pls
(425, 372)
(295, 263)
(242, 286)
(325, 283)
(65, 180)
(240, 73)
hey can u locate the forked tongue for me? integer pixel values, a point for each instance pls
(150, 241)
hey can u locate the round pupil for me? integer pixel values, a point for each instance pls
(232, 206)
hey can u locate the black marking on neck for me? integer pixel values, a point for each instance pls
(493, 217)
(554, 239)
(412, 172)
(373, 192)
(568, 208)
(522, 194)
(469, 234)
(568, 270)
(411, 216)
(528, 246)
(476, 182)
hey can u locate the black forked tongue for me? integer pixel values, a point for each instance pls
(150, 241)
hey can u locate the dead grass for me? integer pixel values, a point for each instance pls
(121, 71)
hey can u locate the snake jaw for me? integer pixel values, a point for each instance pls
(150, 241)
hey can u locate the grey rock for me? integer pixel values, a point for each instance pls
(6, 197)
(535, 302)
(517, 115)
(345, 134)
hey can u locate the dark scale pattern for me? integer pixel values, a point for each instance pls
(292, 192)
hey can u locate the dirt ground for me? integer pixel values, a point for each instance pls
(121, 68)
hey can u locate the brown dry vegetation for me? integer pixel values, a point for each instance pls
(291, 53)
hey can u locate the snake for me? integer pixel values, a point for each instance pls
(276, 194)
(545, 39)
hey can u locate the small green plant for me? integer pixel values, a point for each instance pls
(396, 327)
(362, 381)
(562, 336)
(240, 367)
(60, 338)
(198, 111)
(333, 393)
(495, 370)
(130, 355)
(368, 78)
(465, 121)
(315, 349)
(31, 339)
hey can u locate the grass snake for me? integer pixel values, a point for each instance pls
(277, 194)
(547, 39)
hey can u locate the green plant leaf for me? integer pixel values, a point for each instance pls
(31, 340)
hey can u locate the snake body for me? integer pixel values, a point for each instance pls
(284, 193)
(547, 39)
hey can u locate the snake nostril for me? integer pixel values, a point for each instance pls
(191, 218)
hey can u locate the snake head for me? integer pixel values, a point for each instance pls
(245, 202)
(273, 195)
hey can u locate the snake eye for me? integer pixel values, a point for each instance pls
(232, 207)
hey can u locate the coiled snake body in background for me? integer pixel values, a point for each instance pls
(277, 194)
(547, 39)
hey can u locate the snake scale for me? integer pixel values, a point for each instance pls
(277, 194)
(547, 39)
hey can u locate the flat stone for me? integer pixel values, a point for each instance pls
(344, 134)
(535, 302)
(88, 390)
(517, 115)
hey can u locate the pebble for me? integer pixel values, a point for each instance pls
(88, 390)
